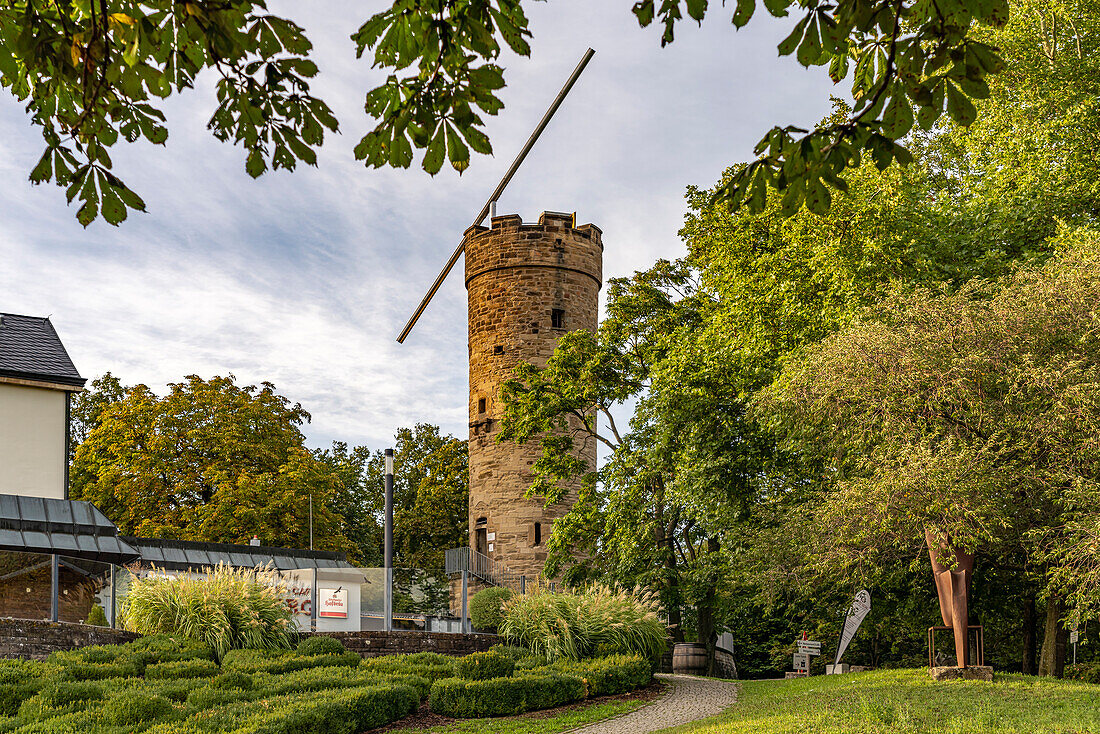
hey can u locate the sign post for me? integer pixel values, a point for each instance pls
(805, 649)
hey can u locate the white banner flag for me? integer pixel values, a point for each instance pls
(861, 606)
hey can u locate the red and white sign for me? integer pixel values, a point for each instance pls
(332, 603)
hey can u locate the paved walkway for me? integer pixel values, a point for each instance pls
(689, 699)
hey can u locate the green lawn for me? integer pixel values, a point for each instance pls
(908, 701)
(533, 724)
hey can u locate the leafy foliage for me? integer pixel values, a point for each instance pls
(430, 498)
(321, 645)
(966, 415)
(97, 616)
(609, 675)
(92, 72)
(485, 607)
(212, 461)
(470, 699)
(484, 665)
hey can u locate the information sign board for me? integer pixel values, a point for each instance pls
(809, 647)
(333, 603)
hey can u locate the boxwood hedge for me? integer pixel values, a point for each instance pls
(468, 699)
(484, 665)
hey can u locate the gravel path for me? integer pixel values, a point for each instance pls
(689, 699)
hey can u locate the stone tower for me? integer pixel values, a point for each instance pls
(527, 285)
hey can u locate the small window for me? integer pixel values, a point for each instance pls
(557, 318)
(481, 405)
(538, 533)
(498, 349)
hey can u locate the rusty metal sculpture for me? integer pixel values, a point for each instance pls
(953, 569)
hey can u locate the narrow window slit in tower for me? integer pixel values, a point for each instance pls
(557, 318)
(481, 405)
(538, 533)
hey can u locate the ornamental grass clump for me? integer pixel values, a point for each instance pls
(227, 609)
(596, 621)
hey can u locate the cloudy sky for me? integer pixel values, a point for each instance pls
(304, 279)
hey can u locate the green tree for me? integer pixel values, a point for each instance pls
(210, 461)
(88, 406)
(967, 416)
(661, 509)
(92, 71)
(430, 495)
(356, 500)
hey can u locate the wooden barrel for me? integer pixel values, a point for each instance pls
(689, 658)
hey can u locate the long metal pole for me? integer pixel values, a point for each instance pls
(500, 188)
(387, 622)
(314, 597)
(54, 586)
(114, 595)
(465, 603)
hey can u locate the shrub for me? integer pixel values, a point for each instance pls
(177, 690)
(611, 675)
(485, 607)
(1086, 672)
(484, 665)
(578, 625)
(340, 712)
(468, 699)
(12, 695)
(228, 609)
(167, 649)
(182, 669)
(284, 661)
(97, 616)
(77, 671)
(19, 680)
(232, 679)
(430, 665)
(321, 645)
(58, 698)
(518, 654)
(135, 707)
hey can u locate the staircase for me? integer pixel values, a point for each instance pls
(482, 567)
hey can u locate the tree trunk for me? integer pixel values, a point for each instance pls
(708, 632)
(662, 539)
(1030, 648)
(1052, 659)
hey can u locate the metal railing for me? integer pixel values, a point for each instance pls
(482, 567)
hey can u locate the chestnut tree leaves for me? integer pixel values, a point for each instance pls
(93, 71)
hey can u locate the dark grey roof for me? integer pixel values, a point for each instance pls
(68, 528)
(182, 555)
(30, 349)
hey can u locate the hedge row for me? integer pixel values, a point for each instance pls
(609, 676)
(470, 699)
(284, 661)
(484, 665)
(430, 665)
(344, 711)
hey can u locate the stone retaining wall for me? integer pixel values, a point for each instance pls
(34, 640)
(374, 644)
(23, 638)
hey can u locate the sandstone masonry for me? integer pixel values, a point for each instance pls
(528, 284)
